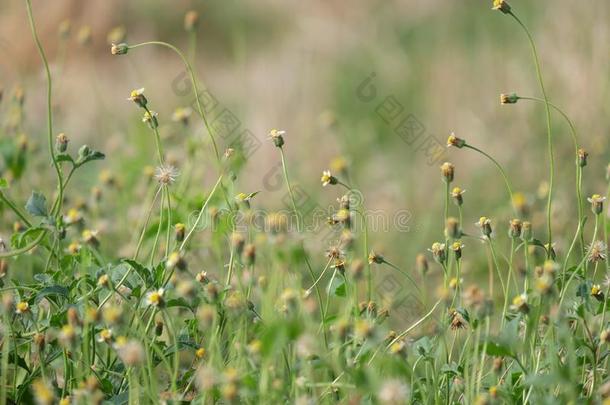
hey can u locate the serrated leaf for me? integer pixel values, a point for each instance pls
(37, 205)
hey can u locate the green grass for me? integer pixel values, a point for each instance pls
(203, 287)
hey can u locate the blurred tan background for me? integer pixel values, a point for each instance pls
(296, 65)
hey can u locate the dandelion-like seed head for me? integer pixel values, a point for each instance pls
(166, 174)
(597, 251)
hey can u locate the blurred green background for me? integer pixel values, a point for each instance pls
(297, 66)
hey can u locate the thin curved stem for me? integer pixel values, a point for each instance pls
(500, 169)
(574, 135)
(549, 134)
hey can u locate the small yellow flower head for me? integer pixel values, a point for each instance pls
(182, 115)
(22, 308)
(339, 164)
(74, 248)
(520, 303)
(375, 258)
(604, 337)
(119, 49)
(511, 98)
(438, 252)
(116, 35)
(84, 35)
(175, 260)
(64, 29)
(103, 280)
(90, 237)
(452, 228)
(179, 230)
(447, 172)
(112, 314)
(457, 247)
(485, 225)
(277, 136)
(456, 194)
(581, 157)
(597, 251)
(597, 293)
(191, 20)
(502, 6)
(155, 298)
(73, 216)
(65, 401)
(328, 178)
(61, 143)
(43, 394)
(455, 141)
(597, 203)
(454, 283)
(515, 228)
(421, 263)
(150, 118)
(200, 353)
(544, 284)
(105, 336)
(137, 96)
(67, 335)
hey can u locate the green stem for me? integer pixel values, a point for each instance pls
(548, 126)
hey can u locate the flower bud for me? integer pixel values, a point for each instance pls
(485, 225)
(447, 171)
(421, 263)
(515, 228)
(150, 118)
(249, 254)
(526, 231)
(457, 249)
(120, 49)
(61, 143)
(456, 194)
(511, 98)
(277, 137)
(191, 20)
(438, 252)
(581, 159)
(455, 141)
(452, 228)
(179, 230)
(597, 203)
(502, 6)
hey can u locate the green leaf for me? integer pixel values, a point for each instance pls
(52, 290)
(142, 271)
(3, 183)
(37, 205)
(497, 349)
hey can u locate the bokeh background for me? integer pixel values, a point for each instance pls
(297, 66)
